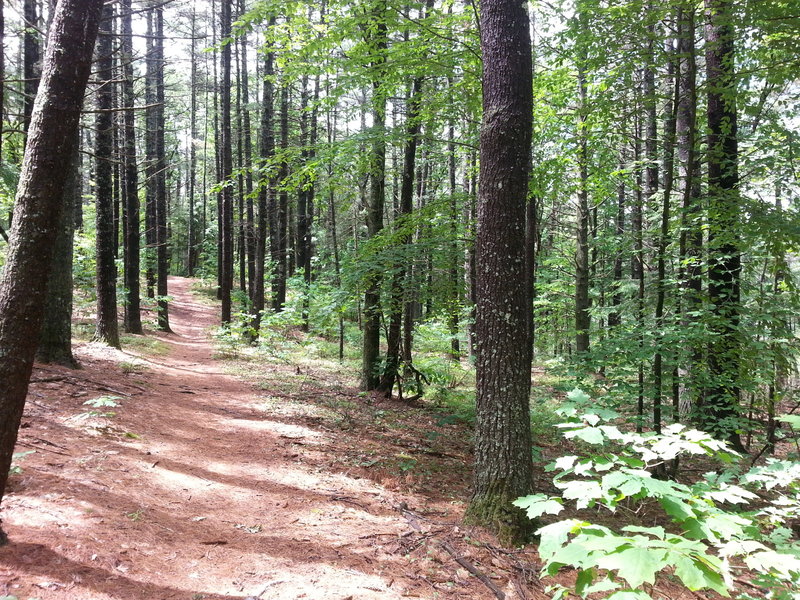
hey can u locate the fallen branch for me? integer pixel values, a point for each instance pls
(29, 445)
(474, 570)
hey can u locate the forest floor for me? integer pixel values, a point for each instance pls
(277, 481)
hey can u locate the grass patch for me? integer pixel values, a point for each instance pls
(144, 344)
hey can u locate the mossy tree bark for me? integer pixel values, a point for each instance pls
(503, 312)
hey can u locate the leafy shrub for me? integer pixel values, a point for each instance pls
(716, 536)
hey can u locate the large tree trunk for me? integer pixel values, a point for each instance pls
(107, 328)
(37, 210)
(503, 468)
(720, 406)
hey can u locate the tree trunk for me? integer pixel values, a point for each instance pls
(55, 340)
(503, 469)
(663, 238)
(130, 192)
(266, 193)
(107, 329)
(582, 300)
(378, 42)
(397, 293)
(191, 243)
(721, 403)
(31, 55)
(691, 238)
(280, 213)
(226, 158)
(161, 203)
(37, 210)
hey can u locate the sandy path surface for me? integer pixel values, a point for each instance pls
(192, 489)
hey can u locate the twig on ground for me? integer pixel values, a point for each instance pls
(29, 445)
(474, 570)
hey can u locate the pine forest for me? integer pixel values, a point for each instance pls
(399, 298)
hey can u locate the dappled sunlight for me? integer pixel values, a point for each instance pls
(48, 511)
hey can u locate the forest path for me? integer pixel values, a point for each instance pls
(192, 489)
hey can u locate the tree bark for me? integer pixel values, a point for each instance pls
(503, 468)
(226, 158)
(107, 328)
(378, 42)
(130, 191)
(265, 191)
(161, 203)
(37, 210)
(720, 405)
(31, 55)
(55, 340)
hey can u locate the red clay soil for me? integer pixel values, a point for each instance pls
(196, 487)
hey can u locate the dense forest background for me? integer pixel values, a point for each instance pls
(319, 163)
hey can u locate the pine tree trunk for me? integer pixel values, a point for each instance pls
(55, 340)
(161, 203)
(266, 192)
(503, 469)
(720, 406)
(582, 300)
(107, 329)
(31, 55)
(226, 158)
(378, 41)
(23, 284)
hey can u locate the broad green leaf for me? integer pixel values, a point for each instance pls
(583, 581)
(538, 504)
(590, 435)
(635, 565)
(553, 536)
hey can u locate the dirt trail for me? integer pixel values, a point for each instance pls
(192, 490)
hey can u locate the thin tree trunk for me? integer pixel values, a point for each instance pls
(663, 238)
(226, 158)
(107, 329)
(161, 202)
(266, 193)
(378, 42)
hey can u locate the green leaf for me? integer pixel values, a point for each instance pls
(578, 396)
(553, 536)
(583, 581)
(677, 508)
(636, 565)
(538, 504)
(582, 491)
(590, 435)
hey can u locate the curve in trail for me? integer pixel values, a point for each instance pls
(190, 490)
